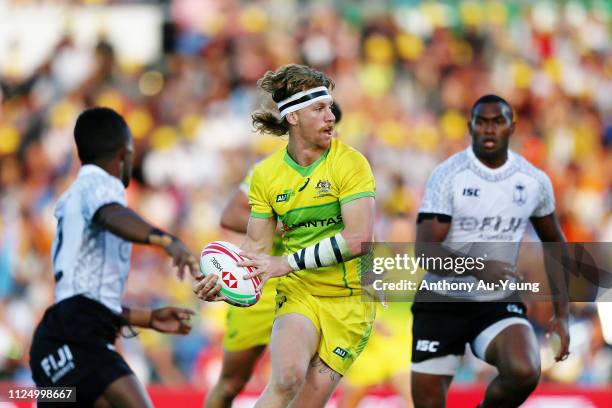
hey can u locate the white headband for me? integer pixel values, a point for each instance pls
(302, 99)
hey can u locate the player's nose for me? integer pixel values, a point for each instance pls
(490, 129)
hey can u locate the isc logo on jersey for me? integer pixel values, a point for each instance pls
(220, 258)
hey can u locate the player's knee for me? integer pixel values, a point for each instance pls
(426, 397)
(290, 380)
(523, 376)
(429, 401)
(230, 387)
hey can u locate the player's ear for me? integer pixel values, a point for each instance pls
(292, 118)
(122, 152)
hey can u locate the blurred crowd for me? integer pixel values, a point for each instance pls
(406, 74)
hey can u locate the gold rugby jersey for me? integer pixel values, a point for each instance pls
(307, 201)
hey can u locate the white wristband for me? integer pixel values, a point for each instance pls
(329, 251)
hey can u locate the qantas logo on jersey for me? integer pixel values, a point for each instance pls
(496, 224)
(325, 222)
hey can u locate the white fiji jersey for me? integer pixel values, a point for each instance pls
(87, 259)
(487, 206)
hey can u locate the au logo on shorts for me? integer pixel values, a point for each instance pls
(341, 352)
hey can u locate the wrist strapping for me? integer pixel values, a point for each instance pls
(160, 238)
(329, 251)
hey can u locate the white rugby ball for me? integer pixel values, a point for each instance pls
(220, 258)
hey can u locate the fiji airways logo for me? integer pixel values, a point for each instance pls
(490, 224)
(58, 363)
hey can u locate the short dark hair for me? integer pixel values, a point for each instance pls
(99, 133)
(491, 99)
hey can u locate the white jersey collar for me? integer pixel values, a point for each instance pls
(93, 169)
(483, 167)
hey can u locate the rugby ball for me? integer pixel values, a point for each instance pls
(220, 258)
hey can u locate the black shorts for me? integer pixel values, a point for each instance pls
(73, 346)
(441, 330)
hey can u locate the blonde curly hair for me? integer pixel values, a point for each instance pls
(281, 84)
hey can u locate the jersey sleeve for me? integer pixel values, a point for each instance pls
(259, 200)
(438, 198)
(355, 178)
(97, 191)
(546, 199)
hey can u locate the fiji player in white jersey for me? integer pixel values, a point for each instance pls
(73, 346)
(484, 194)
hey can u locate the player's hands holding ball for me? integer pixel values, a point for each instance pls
(265, 266)
(207, 288)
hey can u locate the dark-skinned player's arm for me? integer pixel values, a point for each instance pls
(127, 224)
(432, 228)
(548, 230)
(170, 319)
